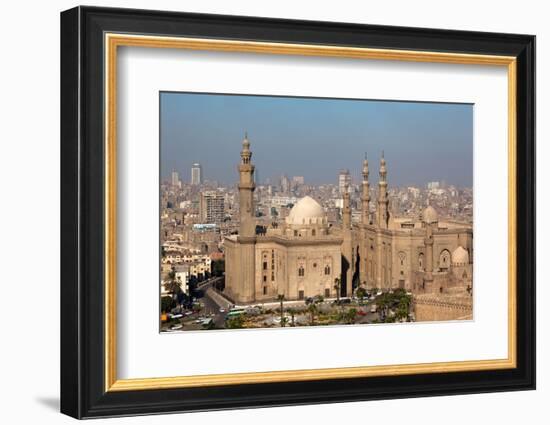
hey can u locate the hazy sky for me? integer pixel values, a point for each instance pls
(316, 137)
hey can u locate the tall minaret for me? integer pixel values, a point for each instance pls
(365, 196)
(247, 226)
(382, 212)
(347, 250)
(365, 221)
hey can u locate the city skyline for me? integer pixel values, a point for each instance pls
(438, 145)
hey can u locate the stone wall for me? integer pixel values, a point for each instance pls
(434, 309)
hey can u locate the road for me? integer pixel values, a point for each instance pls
(210, 304)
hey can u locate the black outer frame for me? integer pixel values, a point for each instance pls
(82, 207)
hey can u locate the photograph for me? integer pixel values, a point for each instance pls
(300, 190)
(283, 212)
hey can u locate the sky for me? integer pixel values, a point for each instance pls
(316, 137)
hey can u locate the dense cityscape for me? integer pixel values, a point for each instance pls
(199, 216)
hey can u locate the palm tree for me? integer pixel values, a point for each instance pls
(292, 313)
(312, 308)
(281, 298)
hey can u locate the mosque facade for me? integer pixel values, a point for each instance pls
(305, 256)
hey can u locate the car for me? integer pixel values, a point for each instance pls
(176, 327)
(176, 316)
(222, 310)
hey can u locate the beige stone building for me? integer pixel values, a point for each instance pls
(302, 255)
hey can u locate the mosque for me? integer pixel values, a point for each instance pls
(304, 255)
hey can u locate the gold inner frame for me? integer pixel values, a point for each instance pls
(113, 41)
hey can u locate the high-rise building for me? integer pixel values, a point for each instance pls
(299, 180)
(175, 178)
(344, 181)
(212, 207)
(285, 184)
(196, 174)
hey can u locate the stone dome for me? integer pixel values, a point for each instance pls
(306, 211)
(429, 215)
(460, 257)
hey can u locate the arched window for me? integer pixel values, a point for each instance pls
(301, 271)
(444, 259)
(402, 257)
(327, 270)
(421, 262)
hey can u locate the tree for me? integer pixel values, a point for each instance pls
(292, 313)
(172, 284)
(281, 298)
(403, 308)
(166, 304)
(361, 294)
(312, 308)
(236, 322)
(218, 268)
(350, 315)
(191, 285)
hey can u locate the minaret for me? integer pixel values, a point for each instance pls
(247, 226)
(365, 196)
(242, 252)
(382, 212)
(365, 221)
(347, 250)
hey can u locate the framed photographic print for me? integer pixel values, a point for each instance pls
(261, 212)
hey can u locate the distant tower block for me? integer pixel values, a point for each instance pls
(365, 195)
(175, 178)
(344, 181)
(196, 174)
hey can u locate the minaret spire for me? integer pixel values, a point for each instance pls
(383, 214)
(247, 226)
